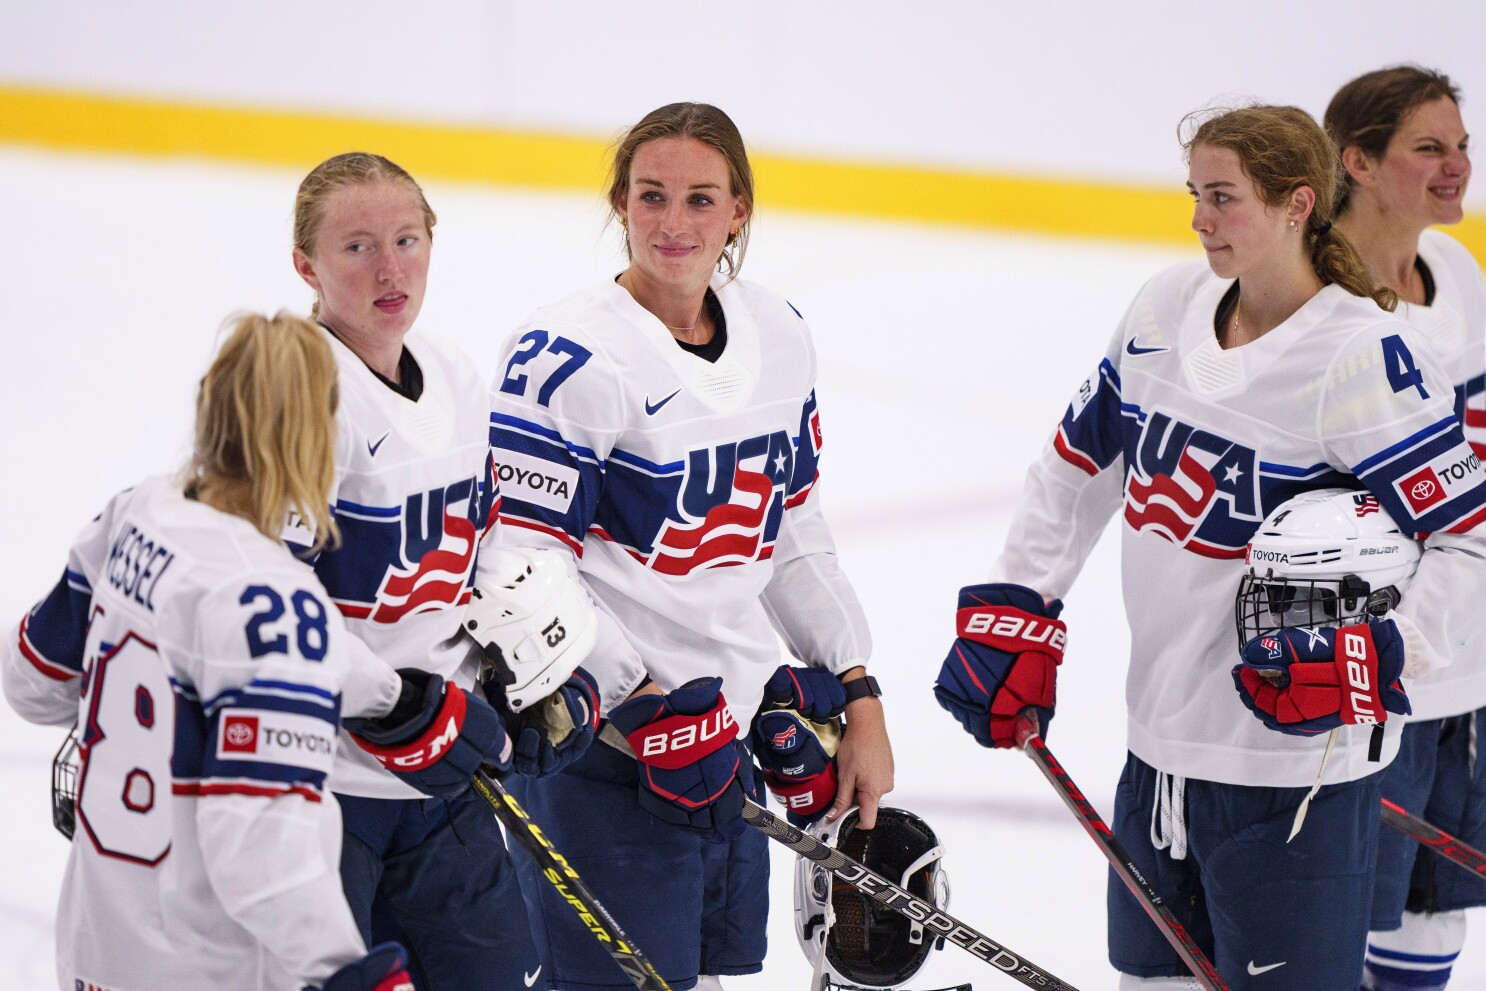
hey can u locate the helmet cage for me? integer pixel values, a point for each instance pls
(1268, 604)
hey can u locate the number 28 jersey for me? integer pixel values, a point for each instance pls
(204, 666)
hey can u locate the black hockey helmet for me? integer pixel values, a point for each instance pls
(866, 943)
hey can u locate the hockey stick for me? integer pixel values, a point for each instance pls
(569, 885)
(1176, 934)
(1435, 839)
(978, 945)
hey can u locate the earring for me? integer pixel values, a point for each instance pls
(1293, 226)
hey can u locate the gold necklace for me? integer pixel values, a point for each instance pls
(1237, 326)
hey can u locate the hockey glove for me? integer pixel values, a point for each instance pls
(798, 756)
(385, 968)
(436, 736)
(553, 733)
(1004, 660)
(1297, 682)
(684, 741)
(814, 693)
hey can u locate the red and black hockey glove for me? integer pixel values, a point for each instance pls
(436, 736)
(384, 968)
(1309, 681)
(685, 742)
(1004, 660)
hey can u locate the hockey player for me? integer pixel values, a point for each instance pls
(1404, 148)
(1227, 389)
(205, 668)
(659, 432)
(413, 495)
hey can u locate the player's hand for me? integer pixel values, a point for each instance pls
(798, 756)
(436, 736)
(385, 968)
(556, 731)
(814, 693)
(1309, 681)
(684, 741)
(864, 763)
(1004, 660)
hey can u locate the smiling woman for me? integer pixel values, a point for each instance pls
(1274, 370)
(679, 400)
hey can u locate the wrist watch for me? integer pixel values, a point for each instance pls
(860, 688)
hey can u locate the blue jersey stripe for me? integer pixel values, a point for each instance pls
(1418, 437)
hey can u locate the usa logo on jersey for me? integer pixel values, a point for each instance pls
(1191, 487)
(728, 507)
(413, 558)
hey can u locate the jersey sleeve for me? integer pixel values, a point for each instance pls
(258, 690)
(1072, 489)
(43, 654)
(556, 404)
(809, 600)
(1388, 413)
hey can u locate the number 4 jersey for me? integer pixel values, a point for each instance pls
(1196, 445)
(204, 667)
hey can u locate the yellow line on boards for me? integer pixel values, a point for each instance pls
(88, 122)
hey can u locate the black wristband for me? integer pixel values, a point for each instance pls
(860, 688)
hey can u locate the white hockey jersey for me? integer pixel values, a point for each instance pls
(685, 489)
(1454, 327)
(414, 494)
(203, 665)
(1197, 445)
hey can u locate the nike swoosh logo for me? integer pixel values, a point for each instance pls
(1133, 350)
(652, 410)
(532, 977)
(372, 448)
(1256, 971)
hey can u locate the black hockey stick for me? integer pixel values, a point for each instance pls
(1435, 839)
(1176, 934)
(569, 885)
(978, 945)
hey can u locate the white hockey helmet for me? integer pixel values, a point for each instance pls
(1324, 558)
(851, 940)
(533, 618)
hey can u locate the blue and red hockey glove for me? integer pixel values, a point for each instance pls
(1296, 680)
(553, 733)
(436, 736)
(796, 737)
(1005, 659)
(814, 693)
(685, 743)
(384, 968)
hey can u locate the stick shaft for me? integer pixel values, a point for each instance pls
(1119, 861)
(555, 867)
(1435, 839)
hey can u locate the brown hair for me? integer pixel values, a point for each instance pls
(353, 168)
(1281, 150)
(265, 425)
(1368, 110)
(704, 123)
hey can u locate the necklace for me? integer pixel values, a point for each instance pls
(686, 330)
(1233, 339)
